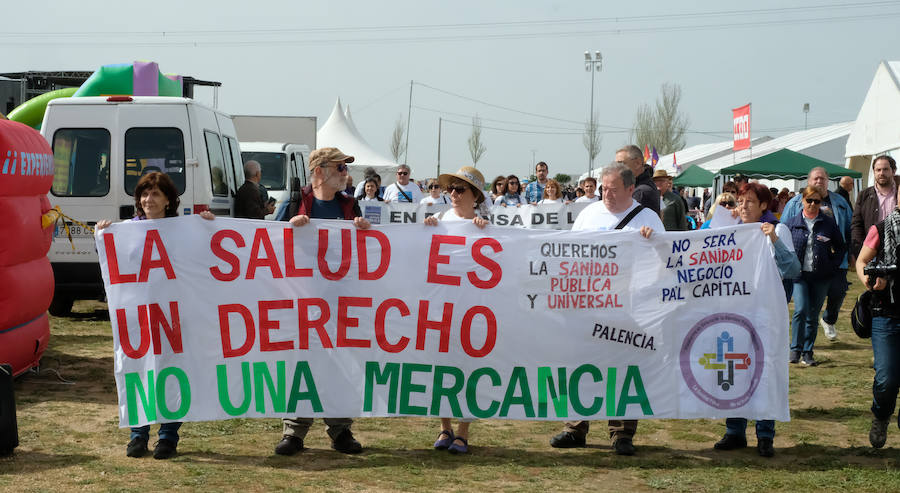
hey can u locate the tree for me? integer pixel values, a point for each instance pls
(476, 146)
(562, 178)
(662, 126)
(591, 138)
(398, 147)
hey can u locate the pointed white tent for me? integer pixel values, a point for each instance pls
(339, 131)
(877, 127)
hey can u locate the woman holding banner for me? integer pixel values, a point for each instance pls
(752, 203)
(820, 247)
(155, 197)
(553, 193)
(464, 188)
(726, 200)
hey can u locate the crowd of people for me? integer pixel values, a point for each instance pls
(816, 235)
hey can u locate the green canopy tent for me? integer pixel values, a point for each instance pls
(695, 176)
(786, 165)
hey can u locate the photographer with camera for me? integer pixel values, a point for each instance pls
(881, 245)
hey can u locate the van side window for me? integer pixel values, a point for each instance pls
(233, 150)
(216, 164)
(154, 149)
(80, 162)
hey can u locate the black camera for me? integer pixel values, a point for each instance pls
(875, 270)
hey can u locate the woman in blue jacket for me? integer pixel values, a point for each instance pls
(820, 248)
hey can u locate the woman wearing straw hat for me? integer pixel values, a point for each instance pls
(465, 190)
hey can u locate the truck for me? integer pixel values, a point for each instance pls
(101, 148)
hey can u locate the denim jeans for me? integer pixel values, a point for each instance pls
(765, 428)
(836, 292)
(808, 299)
(886, 347)
(167, 431)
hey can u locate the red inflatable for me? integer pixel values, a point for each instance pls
(26, 279)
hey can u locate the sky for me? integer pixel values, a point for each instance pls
(517, 65)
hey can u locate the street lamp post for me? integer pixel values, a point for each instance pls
(592, 65)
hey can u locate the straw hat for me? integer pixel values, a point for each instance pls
(469, 175)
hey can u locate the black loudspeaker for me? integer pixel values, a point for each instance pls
(9, 430)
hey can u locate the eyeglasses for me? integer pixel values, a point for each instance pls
(458, 189)
(814, 201)
(433, 186)
(727, 203)
(402, 173)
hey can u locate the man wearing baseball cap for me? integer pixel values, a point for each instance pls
(322, 200)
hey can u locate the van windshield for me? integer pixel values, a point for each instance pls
(272, 164)
(154, 149)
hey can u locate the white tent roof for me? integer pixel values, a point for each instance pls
(339, 131)
(825, 143)
(877, 126)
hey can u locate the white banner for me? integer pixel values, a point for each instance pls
(239, 318)
(548, 216)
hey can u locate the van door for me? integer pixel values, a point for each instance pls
(155, 137)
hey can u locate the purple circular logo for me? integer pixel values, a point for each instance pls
(722, 360)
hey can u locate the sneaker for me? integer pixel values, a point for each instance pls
(878, 432)
(444, 440)
(830, 331)
(795, 357)
(567, 439)
(807, 360)
(137, 447)
(623, 446)
(764, 447)
(455, 448)
(346, 444)
(165, 449)
(289, 445)
(731, 442)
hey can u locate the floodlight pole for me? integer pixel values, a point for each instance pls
(592, 65)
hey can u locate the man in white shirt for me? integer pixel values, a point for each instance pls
(589, 185)
(403, 190)
(617, 210)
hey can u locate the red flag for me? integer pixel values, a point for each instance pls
(646, 153)
(675, 163)
(741, 117)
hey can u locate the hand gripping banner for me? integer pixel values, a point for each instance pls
(238, 318)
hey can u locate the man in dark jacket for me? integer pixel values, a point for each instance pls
(874, 203)
(645, 191)
(248, 202)
(323, 199)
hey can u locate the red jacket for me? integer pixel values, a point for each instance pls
(348, 204)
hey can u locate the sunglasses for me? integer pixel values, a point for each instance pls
(433, 186)
(460, 189)
(814, 201)
(728, 204)
(513, 183)
(339, 166)
(402, 173)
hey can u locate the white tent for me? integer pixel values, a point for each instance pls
(877, 127)
(339, 131)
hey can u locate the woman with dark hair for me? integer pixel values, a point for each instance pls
(752, 203)
(155, 197)
(820, 248)
(513, 195)
(465, 192)
(369, 191)
(498, 187)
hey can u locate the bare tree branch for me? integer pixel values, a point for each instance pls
(398, 147)
(663, 126)
(476, 146)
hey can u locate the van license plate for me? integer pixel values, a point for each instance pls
(76, 230)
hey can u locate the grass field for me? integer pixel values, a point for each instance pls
(70, 440)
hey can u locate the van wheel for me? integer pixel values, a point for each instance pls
(61, 306)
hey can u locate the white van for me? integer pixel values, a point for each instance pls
(101, 148)
(280, 162)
